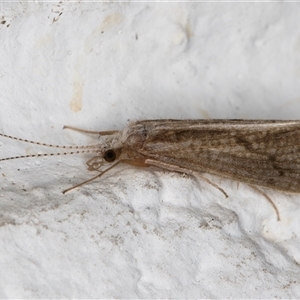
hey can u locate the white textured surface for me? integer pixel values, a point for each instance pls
(142, 233)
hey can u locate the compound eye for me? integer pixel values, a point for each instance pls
(110, 155)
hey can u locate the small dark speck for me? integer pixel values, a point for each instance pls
(24, 190)
(102, 32)
(136, 36)
(3, 22)
(60, 14)
(7, 25)
(18, 169)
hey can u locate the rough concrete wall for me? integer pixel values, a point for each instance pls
(141, 233)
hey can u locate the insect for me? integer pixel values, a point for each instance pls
(261, 153)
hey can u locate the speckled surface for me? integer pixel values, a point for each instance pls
(142, 233)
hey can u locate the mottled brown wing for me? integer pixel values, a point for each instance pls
(263, 153)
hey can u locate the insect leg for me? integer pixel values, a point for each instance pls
(175, 168)
(91, 179)
(110, 132)
(268, 198)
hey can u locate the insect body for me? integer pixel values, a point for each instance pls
(263, 153)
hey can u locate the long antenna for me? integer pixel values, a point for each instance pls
(48, 145)
(48, 154)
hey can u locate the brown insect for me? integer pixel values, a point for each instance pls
(261, 153)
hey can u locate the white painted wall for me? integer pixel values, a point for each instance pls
(142, 233)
